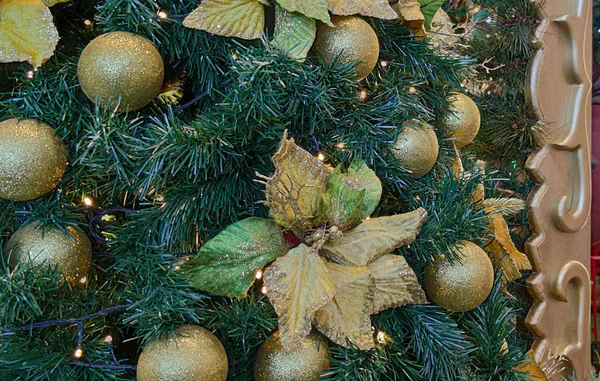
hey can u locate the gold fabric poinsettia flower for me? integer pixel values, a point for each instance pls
(503, 251)
(27, 31)
(342, 271)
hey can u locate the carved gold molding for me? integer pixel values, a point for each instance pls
(560, 92)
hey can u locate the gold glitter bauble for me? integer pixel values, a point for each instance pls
(37, 244)
(416, 147)
(32, 159)
(306, 362)
(464, 284)
(463, 121)
(121, 64)
(194, 354)
(351, 41)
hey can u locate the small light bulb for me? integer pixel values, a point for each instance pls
(108, 339)
(368, 218)
(78, 353)
(83, 280)
(88, 201)
(176, 268)
(384, 64)
(321, 156)
(87, 22)
(363, 95)
(264, 290)
(259, 274)
(340, 145)
(381, 337)
(412, 89)
(30, 74)
(163, 15)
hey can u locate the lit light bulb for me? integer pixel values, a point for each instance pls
(384, 64)
(412, 89)
(264, 290)
(321, 156)
(163, 15)
(363, 95)
(259, 274)
(381, 337)
(88, 201)
(108, 339)
(30, 74)
(87, 22)
(176, 268)
(83, 280)
(340, 145)
(78, 353)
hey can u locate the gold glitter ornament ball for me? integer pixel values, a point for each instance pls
(36, 244)
(352, 40)
(416, 147)
(306, 362)
(32, 159)
(194, 354)
(121, 64)
(464, 284)
(463, 121)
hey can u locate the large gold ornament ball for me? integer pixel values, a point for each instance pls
(416, 147)
(32, 159)
(306, 362)
(351, 41)
(121, 64)
(193, 354)
(464, 284)
(463, 121)
(36, 244)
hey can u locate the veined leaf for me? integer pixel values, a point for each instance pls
(380, 9)
(314, 9)
(227, 264)
(294, 32)
(429, 9)
(232, 18)
(375, 237)
(298, 284)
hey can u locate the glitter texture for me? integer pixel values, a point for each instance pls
(27, 32)
(194, 354)
(304, 363)
(464, 284)
(32, 159)
(36, 244)
(416, 147)
(353, 40)
(121, 64)
(463, 121)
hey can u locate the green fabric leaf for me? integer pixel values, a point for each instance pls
(363, 177)
(227, 264)
(294, 33)
(429, 9)
(342, 202)
(316, 9)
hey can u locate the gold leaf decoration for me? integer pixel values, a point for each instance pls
(395, 284)
(50, 3)
(501, 233)
(375, 237)
(27, 32)
(409, 14)
(530, 366)
(298, 284)
(374, 8)
(505, 206)
(294, 192)
(294, 33)
(315, 9)
(232, 18)
(348, 315)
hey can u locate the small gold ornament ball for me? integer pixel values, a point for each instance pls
(304, 363)
(353, 40)
(463, 121)
(36, 244)
(194, 354)
(464, 284)
(416, 147)
(32, 159)
(121, 64)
